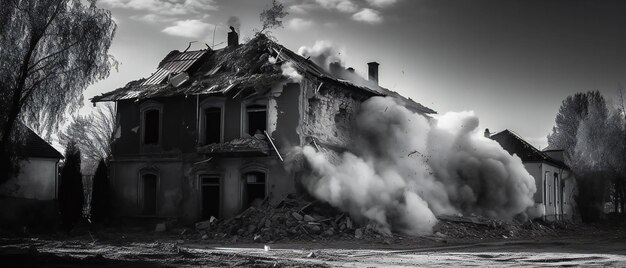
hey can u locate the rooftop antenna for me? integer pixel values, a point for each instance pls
(189, 46)
(214, 28)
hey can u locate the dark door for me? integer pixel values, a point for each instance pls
(210, 197)
(149, 194)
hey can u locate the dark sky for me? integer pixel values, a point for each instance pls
(512, 62)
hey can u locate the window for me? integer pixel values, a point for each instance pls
(151, 123)
(556, 189)
(211, 121)
(149, 193)
(546, 192)
(212, 125)
(210, 190)
(254, 191)
(256, 119)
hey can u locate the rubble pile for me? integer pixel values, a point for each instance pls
(291, 219)
(295, 219)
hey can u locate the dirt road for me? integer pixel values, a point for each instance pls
(604, 250)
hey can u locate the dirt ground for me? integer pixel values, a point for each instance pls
(581, 246)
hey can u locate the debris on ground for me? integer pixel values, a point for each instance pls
(290, 219)
(296, 219)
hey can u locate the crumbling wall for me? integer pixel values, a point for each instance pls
(329, 113)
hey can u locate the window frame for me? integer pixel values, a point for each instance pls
(206, 104)
(244, 114)
(144, 108)
(242, 177)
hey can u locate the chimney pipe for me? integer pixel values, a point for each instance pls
(487, 133)
(233, 37)
(373, 71)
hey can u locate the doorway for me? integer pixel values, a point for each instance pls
(149, 194)
(210, 188)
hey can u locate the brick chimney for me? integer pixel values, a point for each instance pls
(233, 37)
(373, 71)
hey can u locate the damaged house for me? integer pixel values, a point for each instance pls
(555, 182)
(206, 134)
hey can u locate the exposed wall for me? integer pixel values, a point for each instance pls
(37, 180)
(329, 113)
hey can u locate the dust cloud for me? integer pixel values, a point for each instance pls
(403, 169)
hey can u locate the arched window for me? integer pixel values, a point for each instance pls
(211, 121)
(254, 188)
(212, 125)
(151, 118)
(151, 124)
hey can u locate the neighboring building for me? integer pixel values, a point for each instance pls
(193, 137)
(38, 176)
(555, 183)
(28, 200)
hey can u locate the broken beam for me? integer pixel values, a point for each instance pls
(273, 146)
(203, 161)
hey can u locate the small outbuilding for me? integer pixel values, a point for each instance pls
(555, 182)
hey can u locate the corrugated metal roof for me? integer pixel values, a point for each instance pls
(175, 64)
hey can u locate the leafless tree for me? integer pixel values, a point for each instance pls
(50, 51)
(271, 17)
(93, 134)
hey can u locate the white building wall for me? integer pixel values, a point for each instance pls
(37, 180)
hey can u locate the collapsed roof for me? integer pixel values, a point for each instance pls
(243, 70)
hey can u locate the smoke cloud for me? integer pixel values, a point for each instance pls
(235, 22)
(323, 53)
(291, 72)
(404, 169)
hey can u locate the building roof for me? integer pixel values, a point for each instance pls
(514, 144)
(238, 71)
(35, 146)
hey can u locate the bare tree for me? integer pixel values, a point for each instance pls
(93, 134)
(50, 51)
(271, 17)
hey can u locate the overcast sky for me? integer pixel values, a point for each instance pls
(511, 62)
